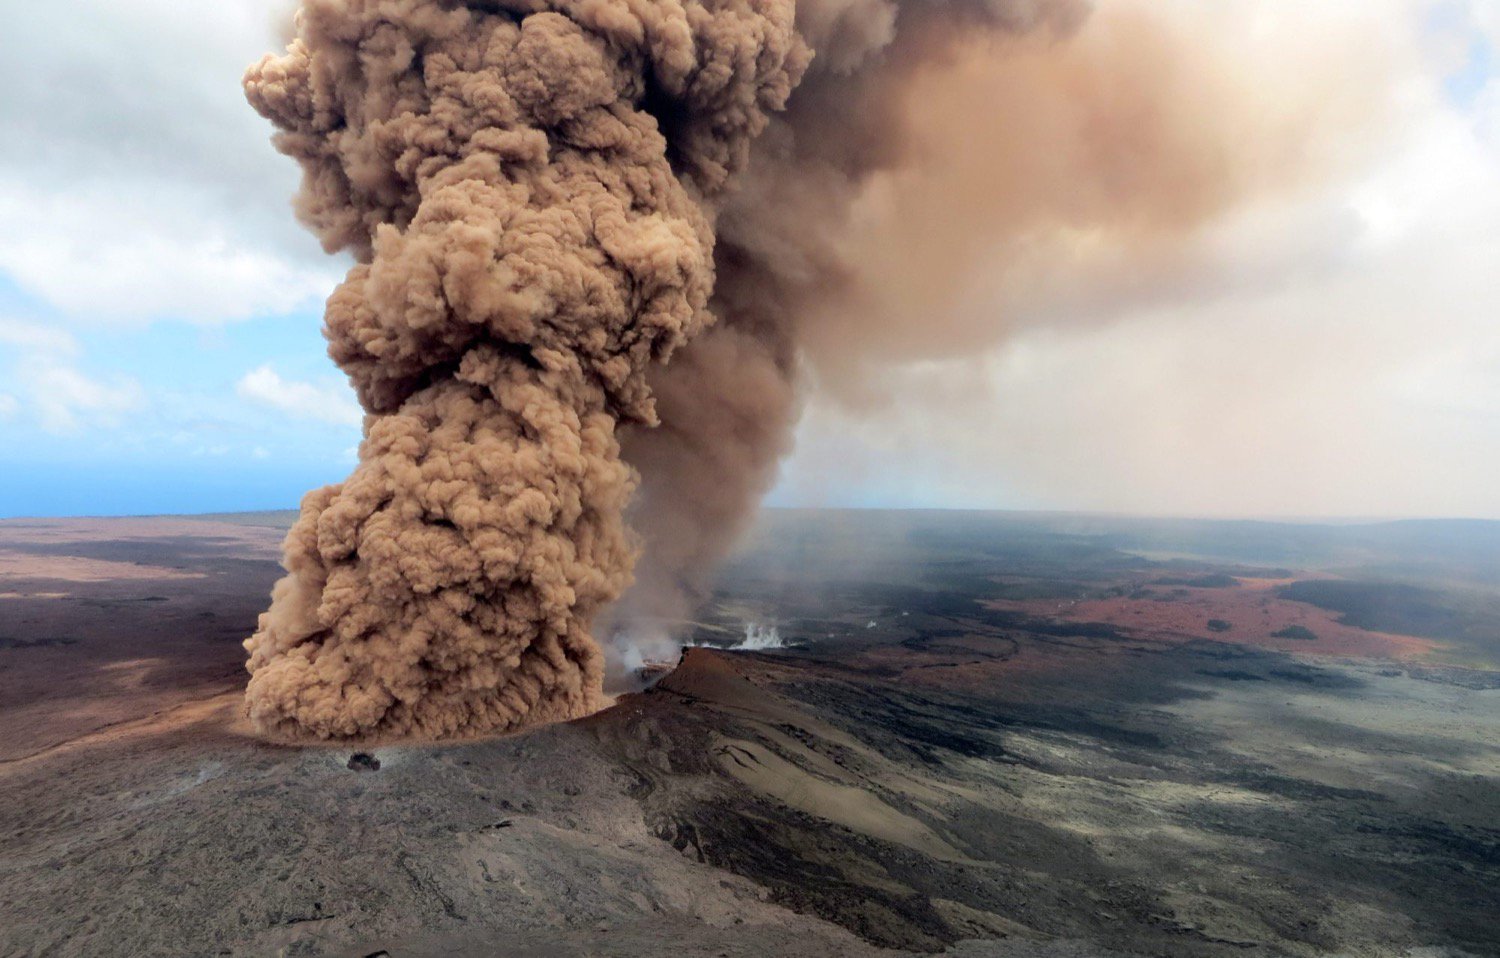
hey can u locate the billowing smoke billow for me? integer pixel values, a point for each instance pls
(599, 244)
(530, 194)
(760, 637)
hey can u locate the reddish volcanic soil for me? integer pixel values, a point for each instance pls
(1252, 608)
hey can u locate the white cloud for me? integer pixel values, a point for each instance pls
(146, 185)
(36, 338)
(47, 384)
(66, 400)
(102, 256)
(330, 402)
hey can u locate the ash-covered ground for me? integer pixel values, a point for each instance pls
(990, 735)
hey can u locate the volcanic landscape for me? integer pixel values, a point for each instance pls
(972, 734)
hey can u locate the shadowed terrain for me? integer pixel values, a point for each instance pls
(986, 734)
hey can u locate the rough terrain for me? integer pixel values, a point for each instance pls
(991, 736)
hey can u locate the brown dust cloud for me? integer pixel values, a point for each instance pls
(605, 249)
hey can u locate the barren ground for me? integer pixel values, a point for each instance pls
(992, 736)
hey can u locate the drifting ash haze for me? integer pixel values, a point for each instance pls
(602, 246)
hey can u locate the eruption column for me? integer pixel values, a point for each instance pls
(529, 190)
(540, 196)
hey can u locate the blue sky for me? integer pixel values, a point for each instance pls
(160, 309)
(174, 426)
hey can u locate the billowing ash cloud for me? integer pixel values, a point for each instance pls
(601, 248)
(529, 193)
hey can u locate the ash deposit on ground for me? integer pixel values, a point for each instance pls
(1038, 748)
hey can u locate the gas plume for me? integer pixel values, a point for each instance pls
(602, 247)
(935, 183)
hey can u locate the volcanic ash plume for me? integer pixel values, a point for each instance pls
(946, 174)
(539, 196)
(529, 191)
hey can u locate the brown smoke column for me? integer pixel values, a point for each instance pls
(578, 269)
(529, 193)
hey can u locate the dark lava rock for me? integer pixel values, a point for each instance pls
(364, 762)
(1299, 632)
